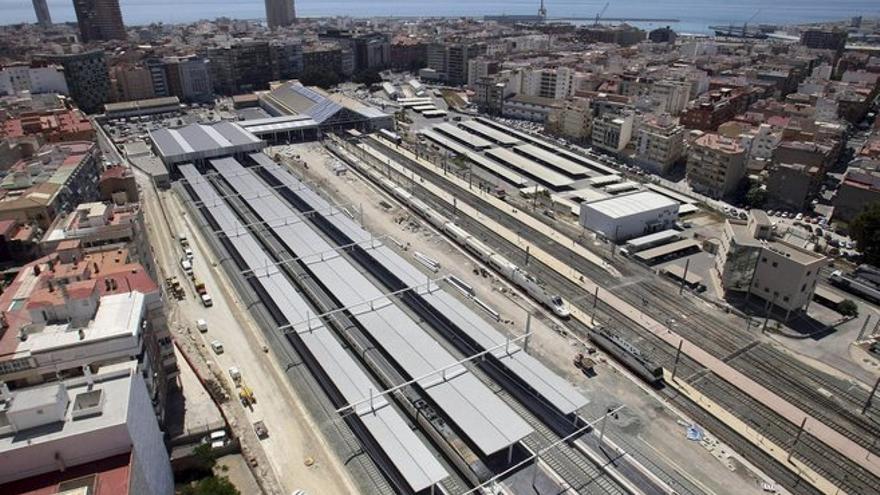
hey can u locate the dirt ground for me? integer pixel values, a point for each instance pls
(647, 427)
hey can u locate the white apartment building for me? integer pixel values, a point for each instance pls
(716, 164)
(612, 131)
(557, 83)
(17, 78)
(660, 143)
(670, 96)
(95, 434)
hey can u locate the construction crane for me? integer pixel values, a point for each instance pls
(752, 18)
(542, 12)
(601, 13)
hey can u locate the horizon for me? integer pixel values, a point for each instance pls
(694, 14)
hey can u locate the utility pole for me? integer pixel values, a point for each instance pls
(684, 277)
(797, 438)
(871, 396)
(864, 327)
(677, 356)
(528, 332)
(595, 300)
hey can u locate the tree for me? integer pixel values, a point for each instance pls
(204, 456)
(757, 196)
(865, 230)
(321, 78)
(368, 77)
(848, 308)
(212, 485)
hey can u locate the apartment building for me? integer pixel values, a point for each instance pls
(670, 97)
(87, 76)
(240, 67)
(751, 261)
(556, 83)
(612, 131)
(531, 108)
(54, 180)
(712, 109)
(33, 78)
(660, 143)
(573, 120)
(791, 185)
(93, 434)
(449, 59)
(52, 126)
(716, 165)
(859, 188)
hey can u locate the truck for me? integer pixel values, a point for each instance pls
(246, 396)
(200, 287)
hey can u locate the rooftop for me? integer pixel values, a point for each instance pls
(720, 143)
(631, 204)
(192, 141)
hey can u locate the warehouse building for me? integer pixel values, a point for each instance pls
(196, 143)
(331, 112)
(621, 218)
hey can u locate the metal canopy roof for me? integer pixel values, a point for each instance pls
(553, 388)
(469, 403)
(540, 173)
(410, 456)
(555, 161)
(489, 133)
(490, 165)
(471, 140)
(199, 141)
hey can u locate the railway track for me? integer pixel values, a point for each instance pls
(720, 338)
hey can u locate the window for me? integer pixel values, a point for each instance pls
(785, 298)
(775, 264)
(803, 287)
(764, 260)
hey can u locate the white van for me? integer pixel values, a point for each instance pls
(202, 325)
(207, 301)
(217, 346)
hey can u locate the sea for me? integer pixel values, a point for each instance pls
(694, 16)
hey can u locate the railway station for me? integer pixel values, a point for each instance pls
(359, 294)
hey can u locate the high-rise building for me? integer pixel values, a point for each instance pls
(99, 20)
(87, 78)
(280, 13)
(240, 67)
(41, 8)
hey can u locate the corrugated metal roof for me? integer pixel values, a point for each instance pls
(410, 456)
(540, 173)
(175, 145)
(630, 204)
(555, 161)
(490, 165)
(545, 382)
(466, 401)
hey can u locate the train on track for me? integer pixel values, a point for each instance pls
(863, 282)
(507, 268)
(629, 355)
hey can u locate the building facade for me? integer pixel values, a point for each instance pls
(716, 165)
(750, 261)
(241, 67)
(660, 143)
(87, 76)
(41, 9)
(612, 131)
(621, 218)
(99, 20)
(280, 13)
(35, 79)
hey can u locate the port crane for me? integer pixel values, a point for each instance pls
(601, 13)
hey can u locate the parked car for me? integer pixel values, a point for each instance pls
(207, 301)
(202, 325)
(217, 346)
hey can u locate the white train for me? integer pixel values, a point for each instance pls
(504, 266)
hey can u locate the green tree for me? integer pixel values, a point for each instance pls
(865, 230)
(204, 456)
(756, 196)
(212, 485)
(848, 308)
(367, 76)
(321, 78)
